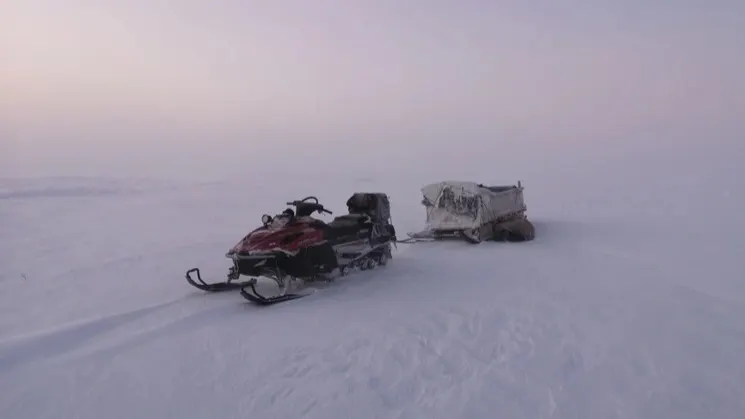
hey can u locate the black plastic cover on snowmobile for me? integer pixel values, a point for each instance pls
(376, 205)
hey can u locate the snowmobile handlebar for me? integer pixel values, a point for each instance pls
(315, 205)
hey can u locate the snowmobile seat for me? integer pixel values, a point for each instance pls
(374, 205)
(348, 220)
(346, 225)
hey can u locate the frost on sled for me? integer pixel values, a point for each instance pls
(474, 212)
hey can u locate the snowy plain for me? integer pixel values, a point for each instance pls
(630, 303)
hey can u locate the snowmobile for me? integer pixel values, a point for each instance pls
(293, 249)
(474, 212)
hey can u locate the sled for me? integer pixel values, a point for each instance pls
(473, 212)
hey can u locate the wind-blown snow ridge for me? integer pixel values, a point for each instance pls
(73, 187)
(17, 351)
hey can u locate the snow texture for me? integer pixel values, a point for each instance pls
(630, 303)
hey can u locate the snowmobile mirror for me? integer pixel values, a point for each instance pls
(266, 219)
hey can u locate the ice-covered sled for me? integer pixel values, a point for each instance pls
(474, 212)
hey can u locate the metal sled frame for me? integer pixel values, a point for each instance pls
(431, 235)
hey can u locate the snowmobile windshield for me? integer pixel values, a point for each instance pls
(278, 222)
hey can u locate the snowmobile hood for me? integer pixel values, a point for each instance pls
(287, 239)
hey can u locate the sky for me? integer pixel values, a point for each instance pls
(89, 86)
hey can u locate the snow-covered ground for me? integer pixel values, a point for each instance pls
(630, 303)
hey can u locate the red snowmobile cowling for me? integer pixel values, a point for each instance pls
(285, 234)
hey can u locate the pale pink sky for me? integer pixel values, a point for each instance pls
(77, 75)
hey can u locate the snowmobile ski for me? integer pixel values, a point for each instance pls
(228, 285)
(256, 298)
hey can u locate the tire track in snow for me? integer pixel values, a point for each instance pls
(78, 336)
(169, 328)
(18, 351)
